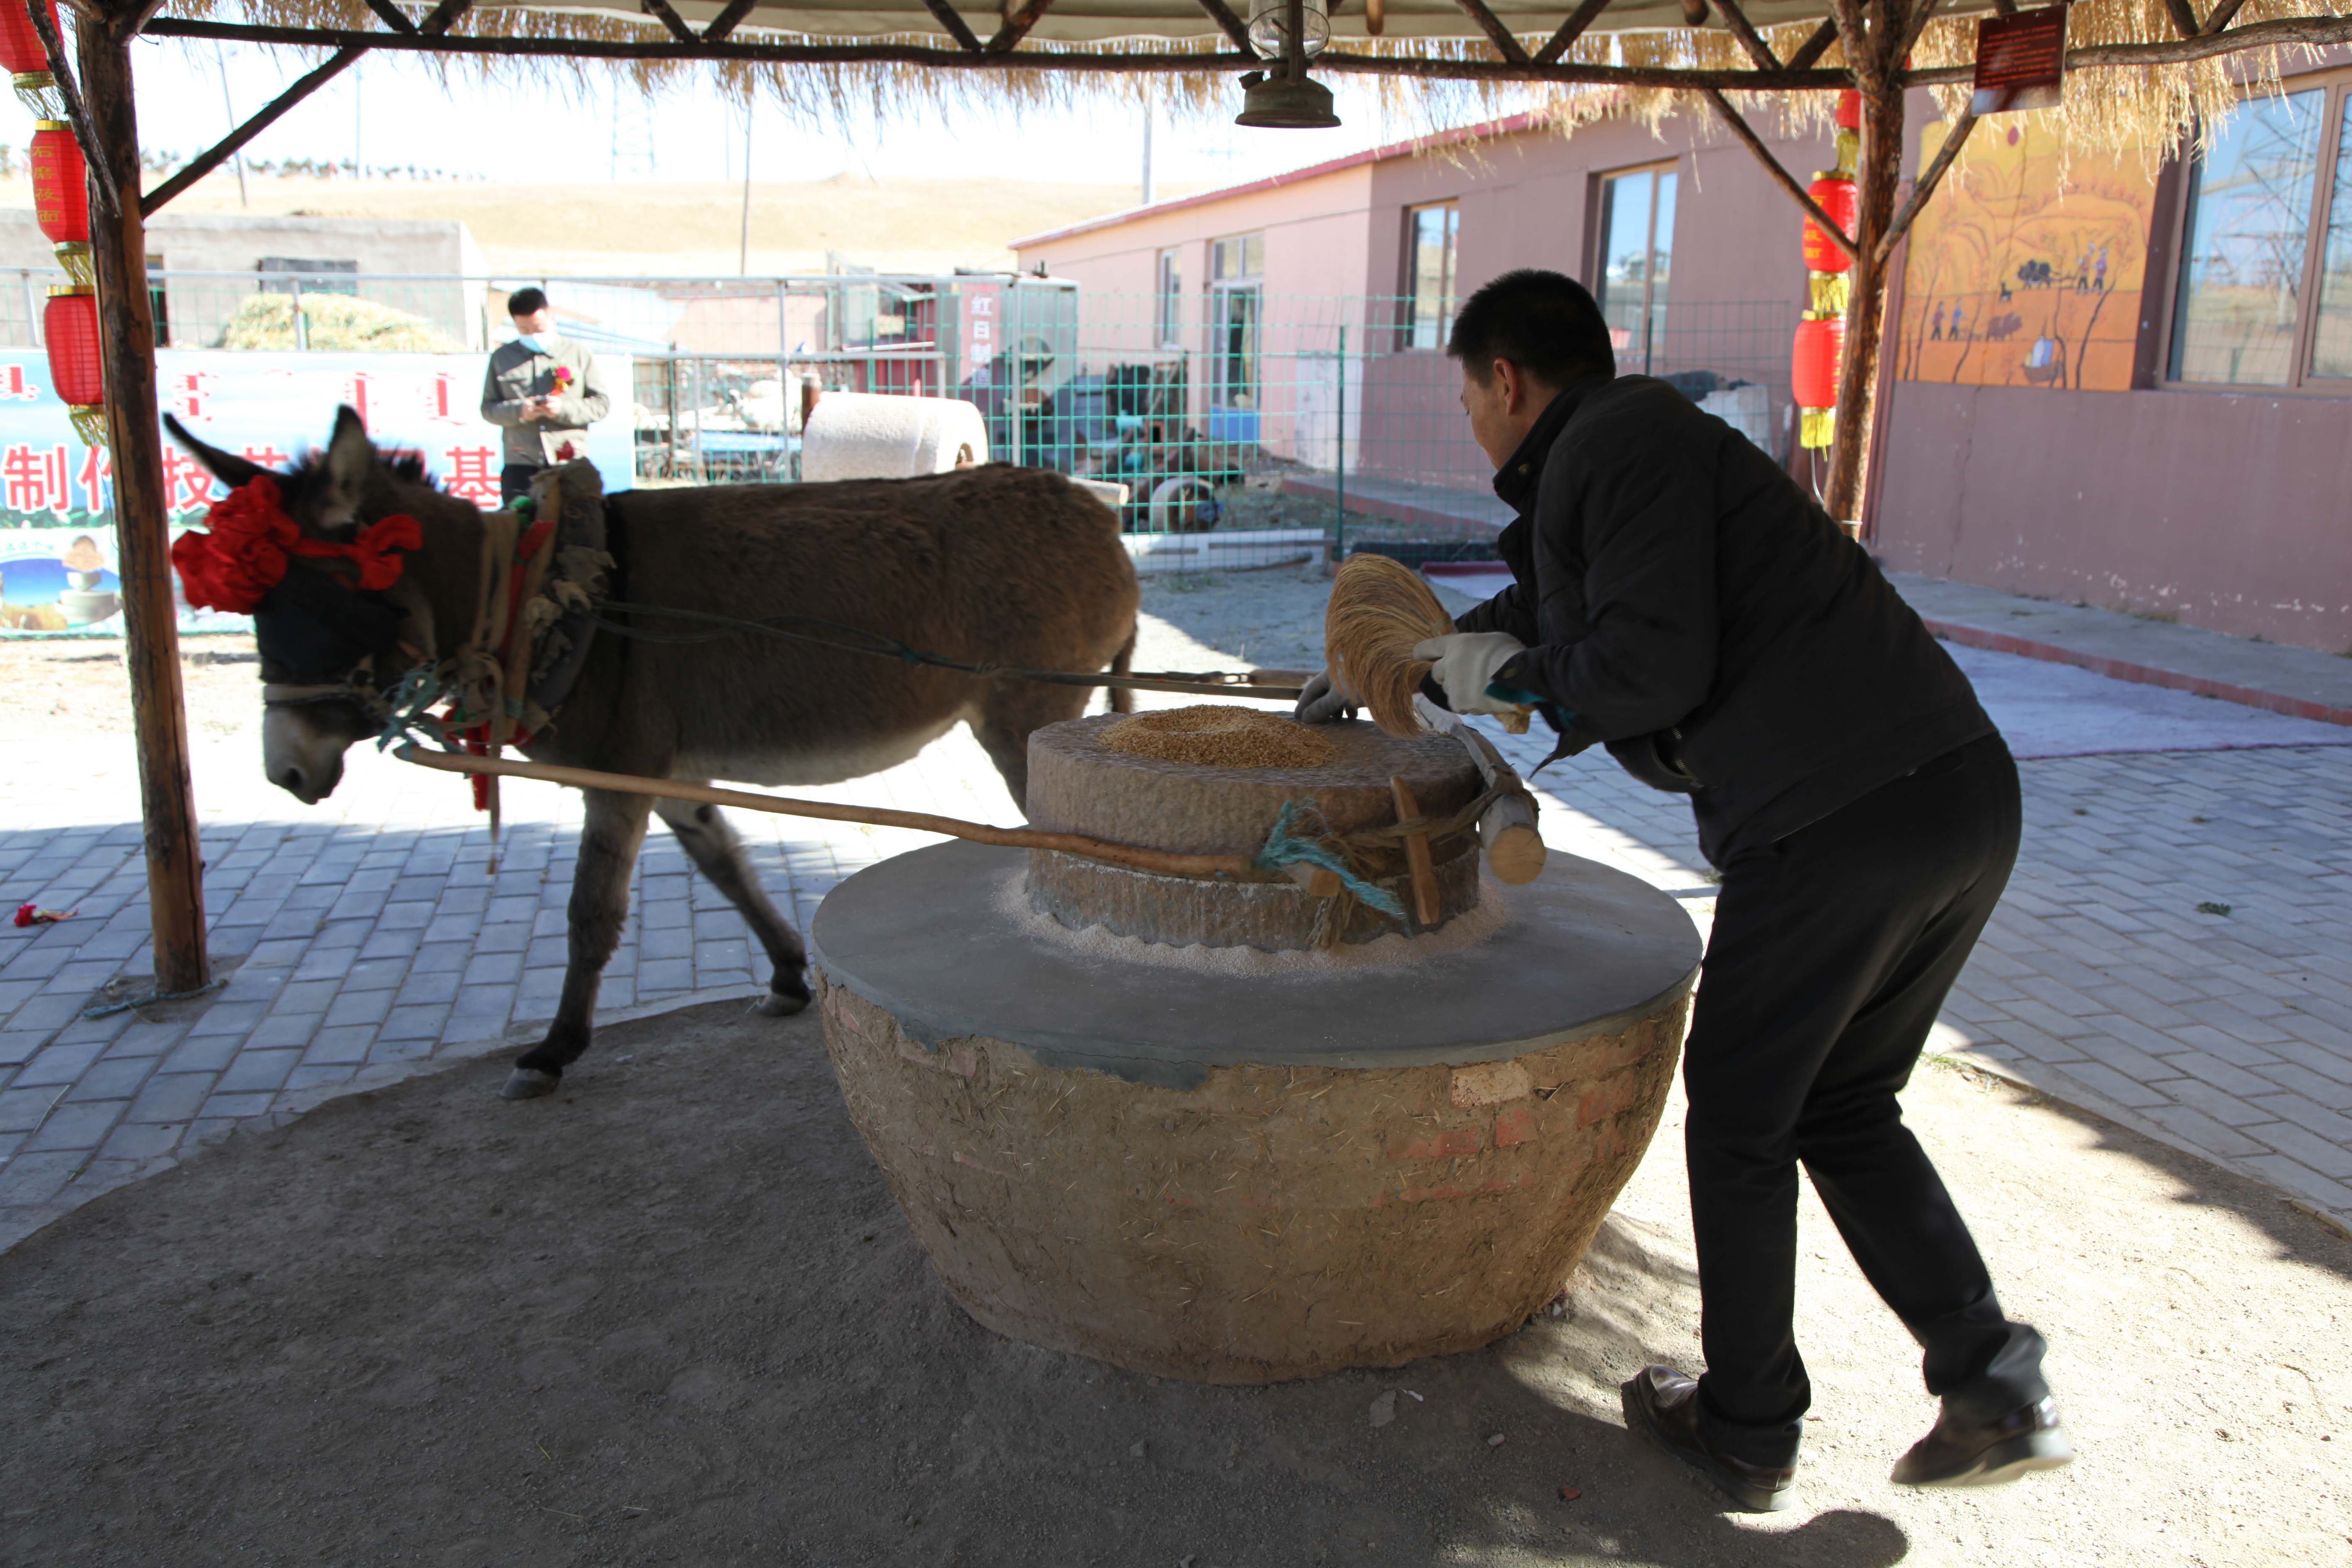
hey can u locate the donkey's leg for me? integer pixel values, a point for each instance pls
(609, 840)
(717, 849)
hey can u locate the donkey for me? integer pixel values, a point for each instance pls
(992, 565)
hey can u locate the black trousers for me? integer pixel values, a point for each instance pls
(514, 482)
(1832, 953)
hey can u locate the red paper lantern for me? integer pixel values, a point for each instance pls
(1849, 110)
(20, 46)
(1836, 196)
(70, 325)
(60, 182)
(1813, 367)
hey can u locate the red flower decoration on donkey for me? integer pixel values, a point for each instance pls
(242, 556)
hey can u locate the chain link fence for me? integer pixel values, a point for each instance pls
(1249, 430)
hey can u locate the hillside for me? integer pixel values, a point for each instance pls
(891, 223)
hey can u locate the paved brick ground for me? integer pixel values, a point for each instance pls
(366, 940)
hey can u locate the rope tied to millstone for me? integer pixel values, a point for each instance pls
(1354, 857)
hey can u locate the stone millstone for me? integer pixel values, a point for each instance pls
(1077, 785)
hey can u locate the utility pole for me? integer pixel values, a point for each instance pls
(743, 264)
(220, 59)
(1148, 113)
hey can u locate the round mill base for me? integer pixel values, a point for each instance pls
(1233, 1165)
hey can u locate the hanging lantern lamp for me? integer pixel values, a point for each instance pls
(1835, 194)
(1813, 377)
(60, 183)
(1279, 99)
(27, 60)
(76, 368)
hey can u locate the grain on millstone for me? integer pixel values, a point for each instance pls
(1215, 735)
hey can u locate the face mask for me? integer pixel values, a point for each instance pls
(535, 342)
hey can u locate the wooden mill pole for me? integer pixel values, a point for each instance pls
(1878, 170)
(175, 894)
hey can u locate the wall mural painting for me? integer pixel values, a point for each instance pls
(2026, 269)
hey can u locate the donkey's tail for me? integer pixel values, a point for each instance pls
(1122, 701)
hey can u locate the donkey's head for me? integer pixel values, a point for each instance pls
(331, 642)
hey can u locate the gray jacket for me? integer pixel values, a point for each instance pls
(517, 373)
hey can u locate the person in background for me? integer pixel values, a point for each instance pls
(544, 390)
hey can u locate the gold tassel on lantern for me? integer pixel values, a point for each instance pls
(1830, 292)
(1817, 428)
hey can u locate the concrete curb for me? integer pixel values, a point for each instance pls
(2142, 674)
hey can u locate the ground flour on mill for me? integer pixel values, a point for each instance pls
(1465, 932)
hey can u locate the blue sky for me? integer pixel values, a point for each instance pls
(395, 111)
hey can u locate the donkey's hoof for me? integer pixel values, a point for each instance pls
(783, 1004)
(529, 1083)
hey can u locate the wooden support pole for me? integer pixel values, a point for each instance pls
(1018, 20)
(1878, 170)
(1749, 38)
(958, 28)
(175, 894)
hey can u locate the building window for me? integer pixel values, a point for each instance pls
(2265, 295)
(1237, 298)
(1171, 309)
(1428, 240)
(1243, 255)
(1637, 261)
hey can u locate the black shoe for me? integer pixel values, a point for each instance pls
(1663, 1406)
(1965, 1452)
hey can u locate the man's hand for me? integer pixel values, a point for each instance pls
(1466, 663)
(1321, 702)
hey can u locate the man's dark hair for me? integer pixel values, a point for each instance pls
(523, 301)
(1545, 322)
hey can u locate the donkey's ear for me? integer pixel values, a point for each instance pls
(349, 456)
(228, 469)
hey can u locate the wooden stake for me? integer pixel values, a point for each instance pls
(1514, 844)
(1416, 854)
(175, 894)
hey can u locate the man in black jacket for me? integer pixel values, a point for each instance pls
(1679, 599)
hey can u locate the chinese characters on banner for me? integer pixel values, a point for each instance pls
(57, 522)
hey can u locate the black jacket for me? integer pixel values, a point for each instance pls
(1684, 602)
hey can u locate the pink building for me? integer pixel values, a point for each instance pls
(2123, 379)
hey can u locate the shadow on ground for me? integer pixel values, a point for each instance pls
(672, 1315)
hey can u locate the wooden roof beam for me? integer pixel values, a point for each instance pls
(728, 20)
(391, 16)
(1749, 38)
(444, 16)
(947, 16)
(1780, 175)
(1583, 17)
(1950, 150)
(667, 15)
(1509, 47)
(2223, 14)
(1232, 26)
(1814, 48)
(2316, 31)
(1017, 22)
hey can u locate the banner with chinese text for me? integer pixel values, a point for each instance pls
(56, 521)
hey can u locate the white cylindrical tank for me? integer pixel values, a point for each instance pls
(863, 436)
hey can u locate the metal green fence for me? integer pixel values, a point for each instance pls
(1248, 428)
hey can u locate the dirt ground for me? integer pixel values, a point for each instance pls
(78, 686)
(671, 1315)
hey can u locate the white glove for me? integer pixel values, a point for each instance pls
(1466, 662)
(1321, 702)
